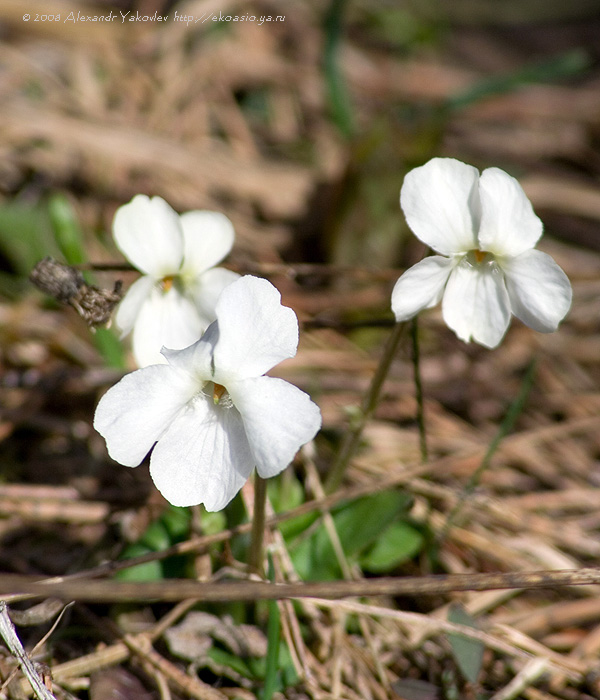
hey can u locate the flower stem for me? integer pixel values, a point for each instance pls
(369, 404)
(416, 359)
(255, 556)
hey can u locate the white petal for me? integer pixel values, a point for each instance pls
(509, 225)
(476, 304)
(130, 306)
(148, 233)
(279, 419)
(207, 289)
(441, 205)
(420, 287)
(197, 359)
(540, 292)
(204, 457)
(255, 331)
(166, 319)
(134, 413)
(207, 238)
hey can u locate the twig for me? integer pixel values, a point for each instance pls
(9, 635)
(171, 590)
(193, 687)
(117, 652)
(526, 677)
(290, 270)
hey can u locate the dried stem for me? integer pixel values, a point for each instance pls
(206, 591)
(12, 641)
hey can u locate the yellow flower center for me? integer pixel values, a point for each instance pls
(167, 282)
(476, 257)
(215, 392)
(218, 391)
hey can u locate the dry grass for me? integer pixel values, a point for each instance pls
(238, 121)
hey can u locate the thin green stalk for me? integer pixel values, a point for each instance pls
(339, 98)
(255, 556)
(514, 411)
(416, 359)
(273, 640)
(370, 401)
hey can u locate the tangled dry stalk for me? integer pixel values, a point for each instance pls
(239, 121)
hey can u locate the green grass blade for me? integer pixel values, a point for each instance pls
(66, 228)
(273, 643)
(565, 65)
(339, 99)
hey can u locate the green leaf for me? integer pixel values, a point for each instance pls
(286, 492)
(361, 522)
(25, 236)
(358, 524)
(396, 545)
(228, 660)
(110, 347)
(150, 571)
(213, 522)
(67, 231)
(467, 652)
(172, 527)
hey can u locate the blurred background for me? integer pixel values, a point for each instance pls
(298, 119)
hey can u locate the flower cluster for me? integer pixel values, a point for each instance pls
(484, 229)
(204, 337)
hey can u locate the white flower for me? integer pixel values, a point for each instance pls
(485, 230)
(211, 413)
(174, 301)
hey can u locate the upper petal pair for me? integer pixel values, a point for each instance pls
(161, 243)
(453, 209)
